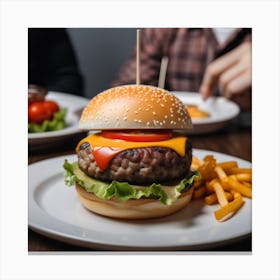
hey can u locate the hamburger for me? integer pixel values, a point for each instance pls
(136, 163)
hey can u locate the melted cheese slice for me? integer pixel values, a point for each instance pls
(104, 149)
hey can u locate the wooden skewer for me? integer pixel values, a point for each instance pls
(138, 78)
(162, 73)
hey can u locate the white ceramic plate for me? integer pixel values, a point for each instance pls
(74, 105)
(221, 111)
(54, 211)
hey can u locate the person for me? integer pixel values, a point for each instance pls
(52, 63)
(212, 61)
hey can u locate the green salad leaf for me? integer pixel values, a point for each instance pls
(124, 191)
(57, 123)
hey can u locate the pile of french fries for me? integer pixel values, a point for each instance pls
(224, 183)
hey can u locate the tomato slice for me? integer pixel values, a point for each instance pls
(138, 135)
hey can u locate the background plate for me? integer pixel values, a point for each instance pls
(221, 111)
(75, 105)
(54, 211)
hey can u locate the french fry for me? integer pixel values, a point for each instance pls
(210, 189)
(247, 184)
(237, 186)
(212, 198)
(236, 170)
(220, 172)
(197, 183)
(209, 186)
(242, 177)
(235, 194)
(224, 183)
(206, 169)
(229, 196)
(222, 199)
(226, 187)
(195, 163)
(227, 165)
(199, 192)
(196, 160)
(230, 208)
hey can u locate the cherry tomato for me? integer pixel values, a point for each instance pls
(37, 112)
(51, 105)
(41, 110)
(138, 136)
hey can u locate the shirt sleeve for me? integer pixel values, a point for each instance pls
(52, 61)
(153, 46)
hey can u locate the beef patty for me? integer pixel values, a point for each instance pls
(138, 166)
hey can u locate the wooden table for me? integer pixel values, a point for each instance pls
(234, 140)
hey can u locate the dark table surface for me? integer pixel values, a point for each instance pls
(235, 140)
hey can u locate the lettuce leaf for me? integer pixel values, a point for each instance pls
(124, 191)
(57, 123)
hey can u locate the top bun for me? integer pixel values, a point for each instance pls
(135, 107)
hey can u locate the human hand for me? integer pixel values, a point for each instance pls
(232, 73)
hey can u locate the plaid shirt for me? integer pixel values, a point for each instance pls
(189, 51)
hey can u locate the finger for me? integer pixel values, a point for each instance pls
(212, 73)
(218, 66)
(210, 80)
(238, 85)
(229, 75)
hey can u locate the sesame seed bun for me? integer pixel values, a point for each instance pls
(135, 107)
(143, 208)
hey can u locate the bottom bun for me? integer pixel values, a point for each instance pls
(132, 209)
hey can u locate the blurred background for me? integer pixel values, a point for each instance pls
(100, 53)
(87, 61)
